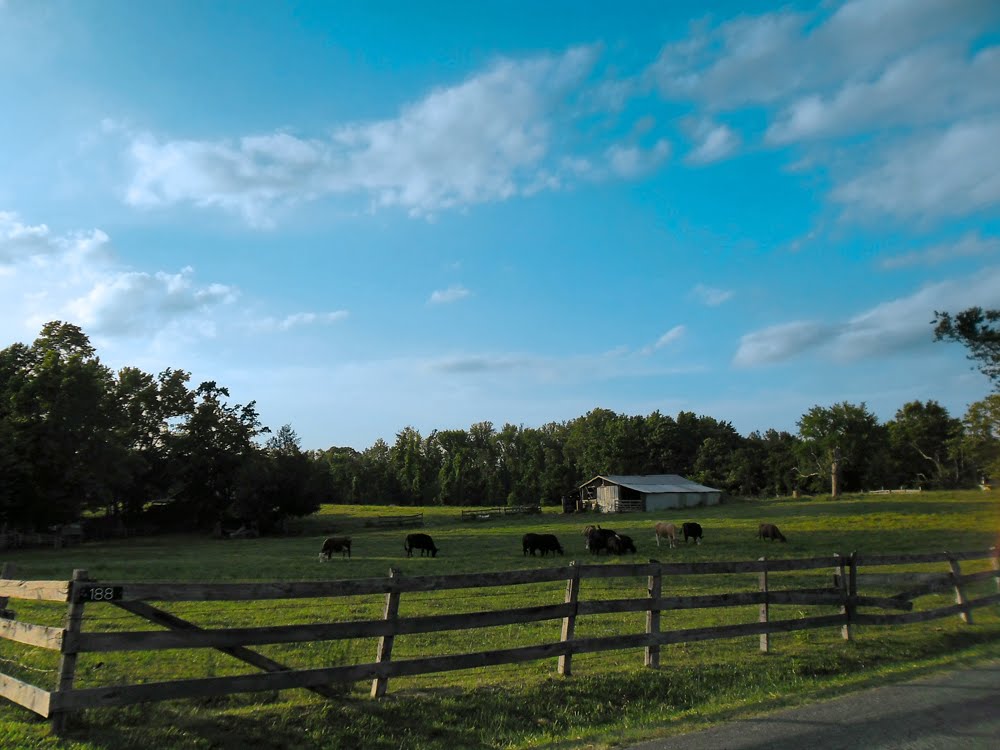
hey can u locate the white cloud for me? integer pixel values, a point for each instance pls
(486, 139)
(710, 295)
(714, 142)
(934, 85)
(764, 59)
(633, 161)
(133, 303)
(778, 343)
(451, 294)
(299, 320)
(674, 334)
(888, 327)
(971, 245)
(955, 173)
(75, 276)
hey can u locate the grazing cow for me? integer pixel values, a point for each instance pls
(692, 530)
(771, 532)
(597, 539)
(333, 544)
(422, 542)
(666, 531)
(543, 543)
(619, 544)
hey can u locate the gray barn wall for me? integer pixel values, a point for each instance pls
(663, 501)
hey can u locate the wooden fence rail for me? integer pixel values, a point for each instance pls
(79, 593)
(487, 514)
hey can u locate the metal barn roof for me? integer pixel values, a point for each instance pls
(653, 484)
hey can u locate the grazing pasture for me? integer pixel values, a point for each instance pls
(610, 695)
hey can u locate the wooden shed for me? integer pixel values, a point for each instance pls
(617, 493)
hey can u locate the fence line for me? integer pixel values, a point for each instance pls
(80, 592)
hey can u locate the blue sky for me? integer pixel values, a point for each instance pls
(367, 216)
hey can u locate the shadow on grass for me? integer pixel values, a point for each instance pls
(553, 712)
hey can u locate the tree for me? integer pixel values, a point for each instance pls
(212, 445)
(148, 406)
(981, 439)
(58, 418)
(979, 331)
(920, 439)
(839, 436)
(279, 482)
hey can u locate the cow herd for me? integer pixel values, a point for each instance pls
(596, 538)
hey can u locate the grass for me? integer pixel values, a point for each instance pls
(610, 699)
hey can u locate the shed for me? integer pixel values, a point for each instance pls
(616, 493)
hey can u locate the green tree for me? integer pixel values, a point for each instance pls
(59, 420)
(279, 482)
(147, 407)
(921, 437)
(981, 439)
(979, 331)
(839, 437)
(213, 447)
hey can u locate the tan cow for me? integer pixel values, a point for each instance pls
(667, 531)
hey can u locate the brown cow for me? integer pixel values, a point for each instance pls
(666, 531)
(771, 532)
(333, 544)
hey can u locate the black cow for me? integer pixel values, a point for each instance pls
(692, 530)
(619, 544)
(422, 542)
(771, 532)
(543, 543)
(333, 544)
(597, 539)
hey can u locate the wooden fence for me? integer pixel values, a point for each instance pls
(81, 592)
(381, 522)
(488, 514)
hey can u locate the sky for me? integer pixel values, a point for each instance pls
(366, 216)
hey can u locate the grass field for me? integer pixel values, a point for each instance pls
(611, 699)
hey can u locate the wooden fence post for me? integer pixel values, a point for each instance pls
(960, 598)
(384, 653)
(569, 622)
(8, 571)
(67, 662)
(655, 588)
(765, 637)
(847, 575)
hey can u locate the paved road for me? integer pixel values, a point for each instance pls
(957, 710)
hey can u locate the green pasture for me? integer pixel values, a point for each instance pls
(609, 699)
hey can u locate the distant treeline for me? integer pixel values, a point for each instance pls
(79, 439)
(838, 448)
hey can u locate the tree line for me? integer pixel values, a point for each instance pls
(77, 438)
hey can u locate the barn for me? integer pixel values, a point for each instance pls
(617, 493)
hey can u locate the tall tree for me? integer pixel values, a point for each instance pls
(920, 438)
(979, 331)
(981, 439)
(213, 445)
(59, 418)
(840, 436)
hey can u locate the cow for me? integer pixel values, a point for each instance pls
(666, 531)
(543, 543)
(597, 539)
(619, 544)
(333, 544)
(692, 530)
(770, 532)
(422, 542)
